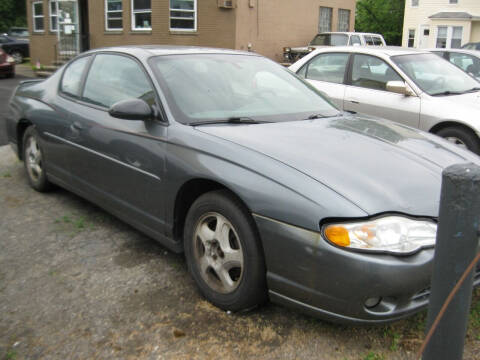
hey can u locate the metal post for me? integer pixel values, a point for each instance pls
(456, 247)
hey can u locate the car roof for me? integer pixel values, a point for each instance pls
(375, 50)
(146, 51)
(463, 51)
(348, 33)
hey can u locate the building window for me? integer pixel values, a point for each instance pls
(38, 16)
(53, 8)
(113, 15)
(183, 15)
(456, 42)
(442, 37)
(449, 37)
(411, 37)
(414, 3)
(343, 20)
(453, 1)
(141, 15)
(325, 21)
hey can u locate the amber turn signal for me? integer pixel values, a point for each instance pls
(338, 235)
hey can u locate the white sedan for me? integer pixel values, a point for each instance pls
(412, 87)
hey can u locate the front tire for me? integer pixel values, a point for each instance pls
(462, 137)
(33, 160)
(223, 252)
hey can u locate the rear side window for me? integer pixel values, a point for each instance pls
(377, 41)
(72, 77)
(355, 40)
(368, 40)
(328, 67)
(113, 78)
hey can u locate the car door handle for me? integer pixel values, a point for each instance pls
(354, 101)
(76, 126)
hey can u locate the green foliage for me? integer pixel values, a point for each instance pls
(12, 13)
(372, 356)
(383, 17)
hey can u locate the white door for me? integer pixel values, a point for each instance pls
(367, 93)
(424, 37)
(327, 73)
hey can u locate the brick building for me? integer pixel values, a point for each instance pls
(264, 26)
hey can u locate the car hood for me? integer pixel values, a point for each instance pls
(470, 100)
(378, 166)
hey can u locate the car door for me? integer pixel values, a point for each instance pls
(55, 123)
(327, 73)
(119, 163)
(366, 92)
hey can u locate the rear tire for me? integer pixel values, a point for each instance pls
(223, 252)
(461, 136)
(33, 160)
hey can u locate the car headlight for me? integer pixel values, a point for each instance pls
(10, 59)
(393, 234)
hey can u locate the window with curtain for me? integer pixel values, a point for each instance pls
(53, 7)
(456, 42)
(343, 20)
(325, 20)
(442, 37)
(113, 15)
(37, 14)
(183, 15)
(141, 15)
(414, 3)
(411, 37)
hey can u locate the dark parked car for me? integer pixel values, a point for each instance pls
(266, 186)
(471, 46)
(18, 49)
(7, 65)
(18, 33)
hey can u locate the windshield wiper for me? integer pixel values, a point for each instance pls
(231, 120)
(448, 92)
(320, 116)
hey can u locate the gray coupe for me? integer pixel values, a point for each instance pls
(266, 186)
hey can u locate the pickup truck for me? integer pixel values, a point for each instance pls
(291, 55)
(18, 49)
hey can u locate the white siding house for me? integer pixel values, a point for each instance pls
(441, 23)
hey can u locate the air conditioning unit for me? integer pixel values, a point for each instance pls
(226, 4)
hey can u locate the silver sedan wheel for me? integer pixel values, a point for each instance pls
(456, 141)
(218, 253)
(33, 159)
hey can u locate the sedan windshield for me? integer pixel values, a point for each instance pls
(435, 75)
(330, 39)
(204, 88)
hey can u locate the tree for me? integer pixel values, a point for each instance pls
(383, 17)
(12, 13)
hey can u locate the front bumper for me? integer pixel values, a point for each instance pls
(306, 272)
(7, 68)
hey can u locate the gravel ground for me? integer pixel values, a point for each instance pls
(76, 283)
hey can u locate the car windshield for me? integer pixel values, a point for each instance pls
(330, 39)
(18, 33)
(209, 87)
(435, 75)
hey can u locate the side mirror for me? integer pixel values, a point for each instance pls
(131, 109)
(400, 87)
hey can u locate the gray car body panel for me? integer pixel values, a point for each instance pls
(291, 176)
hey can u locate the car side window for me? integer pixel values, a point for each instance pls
(72, 77)
(368, 40)
(467, 63)
(328, 67)
(355, 40)
(372, 72)
(377, 41)
(3, 40)
(113, 78)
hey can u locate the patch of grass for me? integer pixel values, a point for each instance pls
(7, 175)
(372, 356)
(395, 337)
(10, 355)
(80, 223)
(75, 224)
